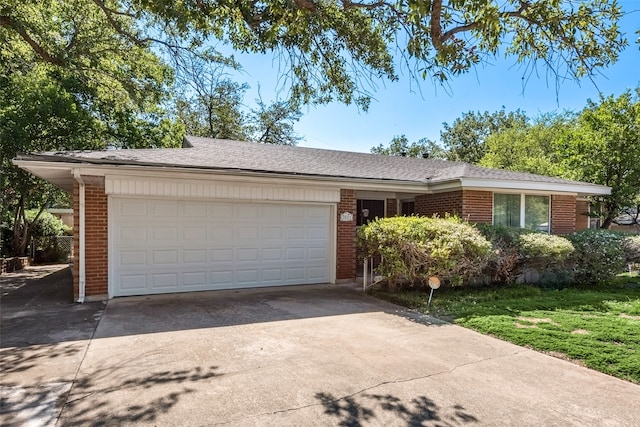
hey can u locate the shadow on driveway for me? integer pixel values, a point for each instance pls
(197, 310)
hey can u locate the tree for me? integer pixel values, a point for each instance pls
(337, 49)
(465, 138)
(530, 147)
(70, 80)
(273, 123)
(604, 148)
(215, 110)
(400, 146)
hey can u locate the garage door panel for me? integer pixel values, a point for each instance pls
(194, 278)
(164, 280)
(161, 246)
(195, 210)
(164, 209)
(133, 282)
(164, 257)
(194, 256)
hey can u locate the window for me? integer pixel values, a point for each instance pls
(521, 210)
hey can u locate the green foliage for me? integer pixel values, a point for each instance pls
(529, 147)
(215, 111)
(632, 249)
(47, 225)
(604, 148)
(599, 255)
(415, 248)
(72, 76)
(465, 139)
(517, 250)
(598, 327)
(400, 146)
(273, 123)
(333, 50)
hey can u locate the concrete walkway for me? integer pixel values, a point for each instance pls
(295, 356)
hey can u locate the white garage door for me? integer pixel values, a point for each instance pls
(161, 246)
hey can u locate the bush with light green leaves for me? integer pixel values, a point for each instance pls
(599, 255)
(517, 251)
(414, 248)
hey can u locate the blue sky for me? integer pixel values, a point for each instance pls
(399, 108)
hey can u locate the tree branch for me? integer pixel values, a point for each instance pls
(8, 22)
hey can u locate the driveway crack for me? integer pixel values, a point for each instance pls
(380, 384)
(75, 377)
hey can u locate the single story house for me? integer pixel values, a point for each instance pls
(219, 214)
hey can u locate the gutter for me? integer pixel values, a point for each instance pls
(81, 244)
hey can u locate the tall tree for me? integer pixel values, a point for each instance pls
(530, 147)
(604, 148)
(70, 80)
(465, 138)
(215, 110)
(273, 123)
(400, 146)
(335, 50)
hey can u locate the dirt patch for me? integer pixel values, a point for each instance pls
(536, 320)
(580, 332)
(626, 316)
(522, 326)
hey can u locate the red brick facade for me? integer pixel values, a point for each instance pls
(392, 207)
(474, 206)
(346, 230)
(477, 206)
(96, 238)
(439, 204)
(563, 214)
(582, 215)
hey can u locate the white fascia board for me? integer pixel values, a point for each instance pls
(131, 171)
(532, 186)
(40, 168)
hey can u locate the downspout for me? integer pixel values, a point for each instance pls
(81, 244)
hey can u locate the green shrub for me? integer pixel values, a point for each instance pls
(518, 250)
(599, 255)
(48, 225)
(632, 249)
(415, 248)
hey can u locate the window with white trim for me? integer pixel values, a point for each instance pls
(522, 210)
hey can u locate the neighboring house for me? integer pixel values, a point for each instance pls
(222, 214)
(64, 215)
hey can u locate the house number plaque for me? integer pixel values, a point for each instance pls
(346, 217)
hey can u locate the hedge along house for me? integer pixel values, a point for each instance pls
(220, 214)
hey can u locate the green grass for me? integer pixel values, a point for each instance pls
(595, 326)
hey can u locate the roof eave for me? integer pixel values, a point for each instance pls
(580, 189)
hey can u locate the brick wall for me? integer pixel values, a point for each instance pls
(96, 238)
(582, 215)
(563, 214)
(439, 204)
(477, 206)
(9, 265)
(346, 230)
(392, 208)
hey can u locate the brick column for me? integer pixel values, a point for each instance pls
(96, 238)
(582, 215)
(563, 214)
(346, 242)
(392, 208)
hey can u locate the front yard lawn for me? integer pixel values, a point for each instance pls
(598, 327)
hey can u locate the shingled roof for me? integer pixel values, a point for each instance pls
(217, 154)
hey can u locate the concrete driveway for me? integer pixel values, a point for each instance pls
(294, 356)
